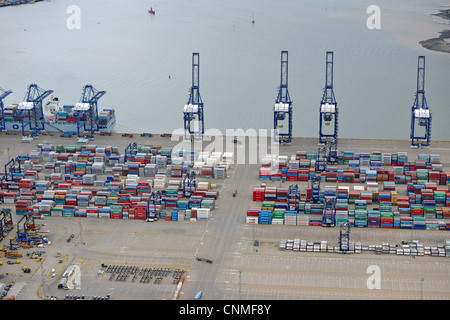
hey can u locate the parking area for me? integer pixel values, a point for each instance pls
(294, 275)
(125, 259)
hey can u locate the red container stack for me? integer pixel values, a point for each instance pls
(140, 212)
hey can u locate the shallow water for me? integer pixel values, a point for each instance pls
(122, 49)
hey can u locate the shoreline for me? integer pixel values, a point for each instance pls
(439, 43)
(297, 138)
(208, 138)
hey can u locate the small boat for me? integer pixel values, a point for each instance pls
(151, 11)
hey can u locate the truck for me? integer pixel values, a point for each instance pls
(146, 134)
(83, 140)
(129, 135)
(66, 135)
(13, 254)
(166, 135)
(203, 259)
(26, 139)
(70, 238)
(378, 249)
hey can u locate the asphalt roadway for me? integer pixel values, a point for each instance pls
(239, 270)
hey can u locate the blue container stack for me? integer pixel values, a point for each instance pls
(265, 217)
(373, 219)
(182, 205)
(195, 202)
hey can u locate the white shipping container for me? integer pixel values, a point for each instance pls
(251, 220)
(203, 213)
(277, 221)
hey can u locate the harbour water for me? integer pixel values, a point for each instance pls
(124, 50)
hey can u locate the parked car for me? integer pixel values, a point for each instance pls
(70, 238)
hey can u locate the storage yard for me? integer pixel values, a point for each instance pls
(126, 213)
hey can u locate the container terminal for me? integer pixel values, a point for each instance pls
(5, 3)
(99, 215)
(34, 115)
(120, 256)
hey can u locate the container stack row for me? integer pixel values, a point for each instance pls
(425, 207)
(75, 182)
(414, 248)
(358, 168)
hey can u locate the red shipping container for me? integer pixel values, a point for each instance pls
(253, 213)
(315, 224)
(140, 217)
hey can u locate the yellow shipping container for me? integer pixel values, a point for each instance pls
(394, 197)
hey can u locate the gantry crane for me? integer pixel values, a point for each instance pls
(86, 111)
(420, 114)
(344, 237)
(293, 194)
(329, 211)
(283, 106)
(154, 199)
(326, 154)
(315, 188)
(328, 106)
(3, 95)
(30, 110)
(332, 156)
(27, 233)
(189, 183)
(11, 167)
(321, 161)
(6, 222)
(194, 127)
(130, 151)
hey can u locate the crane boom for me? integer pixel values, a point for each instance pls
(87, 110)
(31, 112)
(283, 105)
(328, 106)
(194, 128)
(420, 113)
(3, 95)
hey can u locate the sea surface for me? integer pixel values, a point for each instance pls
(143, 61)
